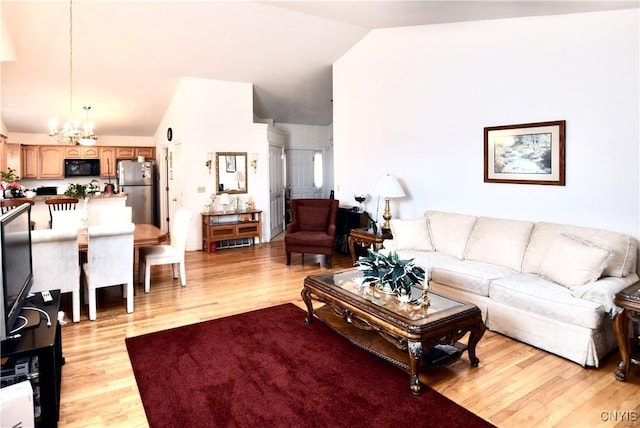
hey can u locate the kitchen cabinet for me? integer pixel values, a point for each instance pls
(51, 162)
(81, 152)
(10, 156)
(125, 152)
(48, 161)
(134, 152)
(147, 152)
(30, 161)
(107, 162)
(3, 152)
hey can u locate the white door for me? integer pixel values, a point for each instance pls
(175, 176)
(276, 189)
(300, 174)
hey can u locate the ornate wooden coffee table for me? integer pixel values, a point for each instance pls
(408, 337)
(626, 326)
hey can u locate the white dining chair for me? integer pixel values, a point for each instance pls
(167, 254)
(56, 265)
(73, 219)
(60, 204)
(116, 215)
(109, 262)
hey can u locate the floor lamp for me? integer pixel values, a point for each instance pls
(388, 187)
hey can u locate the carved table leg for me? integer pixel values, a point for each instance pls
(476, 334)
(352, 250)
(415, 356)
(620, 326)
(306, 298)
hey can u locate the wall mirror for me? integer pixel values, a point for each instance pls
(231, 172)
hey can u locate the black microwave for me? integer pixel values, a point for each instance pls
(81, 167)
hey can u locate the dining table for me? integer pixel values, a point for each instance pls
(143, 235)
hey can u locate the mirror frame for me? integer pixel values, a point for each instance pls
(221, 163)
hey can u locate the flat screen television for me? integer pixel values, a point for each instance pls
(17, 268)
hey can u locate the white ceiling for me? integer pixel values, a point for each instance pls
(128, 56)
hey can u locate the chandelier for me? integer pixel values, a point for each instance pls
(73, 131)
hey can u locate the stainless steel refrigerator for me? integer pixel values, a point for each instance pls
(137, 180)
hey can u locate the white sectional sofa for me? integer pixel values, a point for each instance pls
(545, 284)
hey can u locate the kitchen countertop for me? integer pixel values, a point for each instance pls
(39, 198)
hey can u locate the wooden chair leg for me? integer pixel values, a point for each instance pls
(329, 261)
(288, 258)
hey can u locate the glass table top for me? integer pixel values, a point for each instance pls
(351, 282)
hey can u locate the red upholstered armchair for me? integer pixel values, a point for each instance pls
(313, 228)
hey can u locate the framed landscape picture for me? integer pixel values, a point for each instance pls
(530, 153)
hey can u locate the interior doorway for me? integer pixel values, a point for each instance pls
(276, 190)
(300, 174)
(174, 181)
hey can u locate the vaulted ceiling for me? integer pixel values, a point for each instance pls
(128, 56)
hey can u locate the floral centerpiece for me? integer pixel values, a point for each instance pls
(10, 183)
(390, 274)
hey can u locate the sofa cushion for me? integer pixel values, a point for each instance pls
(498, 241)
(411, 234)
(623, 247)
(307, 238)
(531, 293)
(313, 219)
(473, 277)
(572, 262)
(449, 231)
(425, 259)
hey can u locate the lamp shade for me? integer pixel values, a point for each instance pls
(224, 199)
(389, 187)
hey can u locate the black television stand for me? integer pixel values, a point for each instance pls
(33, 321)
(44, 345)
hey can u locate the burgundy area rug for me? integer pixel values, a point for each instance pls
(268, 368)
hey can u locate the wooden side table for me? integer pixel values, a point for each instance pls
(626, 326)
(366, 238)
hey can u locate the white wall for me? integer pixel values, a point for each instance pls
(206, 116)
(413, 102)
(264, 135)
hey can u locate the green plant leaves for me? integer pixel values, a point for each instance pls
(399, 274)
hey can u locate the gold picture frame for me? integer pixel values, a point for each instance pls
(530, 153)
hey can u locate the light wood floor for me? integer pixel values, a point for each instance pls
(515, 385)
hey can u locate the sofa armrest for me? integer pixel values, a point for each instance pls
(604, 290)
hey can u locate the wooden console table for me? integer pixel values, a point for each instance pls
(626, 326)
(222, 226)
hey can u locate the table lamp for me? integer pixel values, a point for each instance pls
(388, 187)
(240, 179)
(225, 200)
